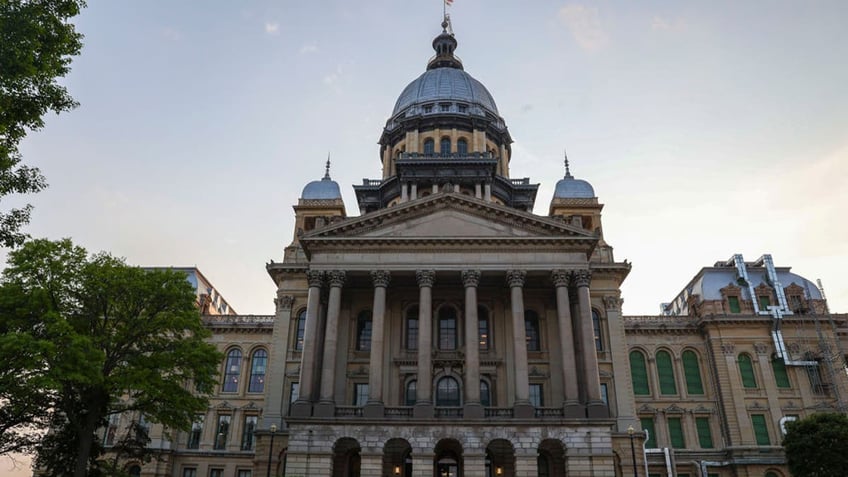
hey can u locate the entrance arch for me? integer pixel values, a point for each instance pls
(551, 460)
(397, 458)
(500, 457)
(346, 458)
(448, 462)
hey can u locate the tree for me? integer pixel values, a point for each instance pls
(36, 45)
(90, 336)
(817, 446)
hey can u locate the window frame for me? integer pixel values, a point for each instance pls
(448, 400)
(691, 371)
(232, 371)
(643, 383)
(745, 365)
(429, 147)
(248, 438)
(360, 394)
(256, 384)
(665, 373)
(195, 434)
(411, 333)
(484, 340)
(222, 437)
(299, 330)
(597, 330)
(364, 330)
(448, 337)
(537, 398)
(531, 324)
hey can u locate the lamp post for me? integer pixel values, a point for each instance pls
(271, 448)
(632, 450)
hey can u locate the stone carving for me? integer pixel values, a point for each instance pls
(471, 278)
(728, 349)
(581, 278)
(760, 348)
(612, 303)
(381, 278)
(284, 302)
(315, 278)
(560, 278)
(425, 278)
(515, 278)
(336, 278)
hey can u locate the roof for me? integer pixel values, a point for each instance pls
(445, 84)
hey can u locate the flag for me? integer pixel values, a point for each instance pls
(448, 2)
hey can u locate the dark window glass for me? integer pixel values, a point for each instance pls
(705, 435)
(746, 369)
(248, 440)
(257, 371)
(765, 302)
(675, 433)
(648, 426)
(483, 332)
(189, 472)
(360, 394)
(135, 471)
(733, 303)
(429, 147)
(543, 467)
(531, 330)
(412, 328)
(760, 429)
(445, 146)
(411, 393)
(301, 329)
(462, 146)
(196, 432)
(537, 398)
(363, 331)
(447, 328)
(444, 108)
(462, 108)
(485, 394)
(665, 373)
(222, 432)
(232, 369)
(447, 392)
(693, 373)
(596, 326)
(781, 378)
(639, 374)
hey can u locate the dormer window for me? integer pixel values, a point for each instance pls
(444, 107)
(428, 109)
(462, 108)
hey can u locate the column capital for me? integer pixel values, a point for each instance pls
(470, 278)
(581, 278)
(515, 278)
(315, 278)
(612, 303)
(560, 278)
(381, 278)
(425, 278)
(284, 302)
(336, 278)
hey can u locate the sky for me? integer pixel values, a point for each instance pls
(706, 128)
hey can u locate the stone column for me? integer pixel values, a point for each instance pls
(277, 362)
(487, 191)
(424, 385)
(595, 407)
(414, 193)
(326, 406)
(473, 408)
(478, 190)
(522, 409)
(374, 407)
(303, 406)
(403, 188)
(571, 390)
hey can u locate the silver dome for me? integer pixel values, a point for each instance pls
(571, 188)
(445, 84)
(325, 189)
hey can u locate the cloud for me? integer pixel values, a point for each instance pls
(308, 48)
(172, 34)
(332, 79)
(272, 28)
(659, 23)
(585, 26)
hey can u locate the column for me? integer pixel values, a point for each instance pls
(478, 190)
(303, 406)
(374, 407)
(571, 390)
(403, 186)
(414, 193)
(277, 362)
(522, 409)
(595, 406)
(487, 191)
(473, 408)
(327, 405)
(424, 386)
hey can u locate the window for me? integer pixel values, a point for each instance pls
(216, 472)
(781, 378)
(733, 304)
(135, 471)
(244, 473)
(485, 394)
(447, 392)
(196, 432)
(360, 394)
(445, 146)
(746, 369)
(247, 437)
(705, 435)
(142, 432)
(257, 371)
(294, 392)
(665, 373)
(410, 396)
(693, 373)
(301, 329)
(447, 328)
(444, 107)
(412, 328)
(429, 146)
(675, 433)
(648, 427)
(462, 146)
(483, 332)
(462, 108)
(537, 397)
(771, 474)
(428, 109)
(596, 327)
(111, 429)
(363, 331)
(231, 371)
(796, 303)
(605, 393)
(639, 374)
(758, 421)
(764, 301)
(222, 432)
(189, 472)
(531, 330)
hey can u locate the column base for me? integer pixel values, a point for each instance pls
(374, 410)
(424, 410)
(523, 410)
(301, 409)
(573, 410)
(325, 409)
(597, 410)
(473, 410)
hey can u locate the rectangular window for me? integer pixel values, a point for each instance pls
(733, 303)
(447, 333)
(781, 378)
(537, 398)
(675, 433)
(196, 432)
(765, 302)
(360, 394)
(247, 438)
(301, 330)
(648, 427)
(444, 108)
(428, 109)
(604, 394)
(189, 472)
(795, 303)
(244, 473)
(758, 421)
(216, 472)
(462, 108)
(222, 431)
(705, 435)
(143, 430)
(483, 333)
(111, 429)
(412, 330)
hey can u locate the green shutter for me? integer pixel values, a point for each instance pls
(780, 376)
(733, 302)
(705, 436)
(746, 369)
(675, 433)
(665, 371)
(693, 373)
(760, 429)
(639, 374)
(648, 425)
(765, 302)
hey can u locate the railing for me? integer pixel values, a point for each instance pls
(549, 412)
(452, 155)
(348, 411)
(448, 412)
(402, 411)
(237, 319)
(522, 181)
(372, 182)
(498, 412)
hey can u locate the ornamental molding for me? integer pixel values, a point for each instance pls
(516, 278)
(470, 278)
(425, 278)
(284, 302)
(581, 278)
(612, 303)
(336, 278)
(315, 278)
(761, 348)
(381, 278)
(560, 278)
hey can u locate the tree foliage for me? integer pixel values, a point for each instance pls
(817, 446)
(88, 336)
(37, 43)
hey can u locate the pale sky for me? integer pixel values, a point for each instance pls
(706, 128)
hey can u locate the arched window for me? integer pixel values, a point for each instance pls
(778, 366)
(485, 394)
(746, 370)
(447, 328)
(447, 392)
(412, 328)
(639, 374)
(543, 466)
(410, 395)
(135, 471)
(363, 331)
(232, 370)
(258, 364)
(301, 328)
(665, 373)
(596, 327)
(692, 370)
(462, 146)
(444, 146)
(429, 147)
(531, 330)
(483, 332)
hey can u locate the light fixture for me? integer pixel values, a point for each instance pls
(498, 470)
(397, 470)
(630, 431)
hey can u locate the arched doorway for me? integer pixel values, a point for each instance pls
(551, 460)
(346, 458)
(448, 462)
(397, 458)
(500, 458)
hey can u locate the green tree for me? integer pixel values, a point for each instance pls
(817, 446)
(90, 336)
(36, 45)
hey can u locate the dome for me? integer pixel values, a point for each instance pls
(325, 189)
(445, 84)
(571, 188)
